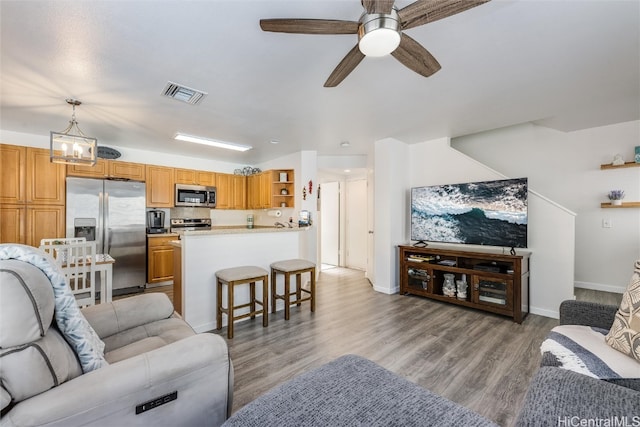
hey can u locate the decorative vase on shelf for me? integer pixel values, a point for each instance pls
(616, 197)
(449, 286)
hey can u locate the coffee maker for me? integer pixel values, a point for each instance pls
(155, 222)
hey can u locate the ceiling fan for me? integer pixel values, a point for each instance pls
(380, 32)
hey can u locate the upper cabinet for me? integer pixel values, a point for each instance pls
(32, 195)
(13, 164)
(109, 169)
(45, 180)
(29, 176)
(271, 189)
(160, 186)
(195, 177)
(231, 191)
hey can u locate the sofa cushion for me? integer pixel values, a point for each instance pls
(30, 312)
(30, 369)
(624, 335)
(582, 349)
(558, 397)
(145, 338)
(69, 319)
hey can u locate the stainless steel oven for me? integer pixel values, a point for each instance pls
(190, 224)
(195, 196)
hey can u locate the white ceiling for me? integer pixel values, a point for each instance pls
(566, 64)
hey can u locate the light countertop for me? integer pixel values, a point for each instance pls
(241, 229)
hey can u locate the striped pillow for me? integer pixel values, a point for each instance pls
(624, 335)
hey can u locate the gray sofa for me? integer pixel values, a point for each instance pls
(558, 396)
(158, 371)
(355, 391)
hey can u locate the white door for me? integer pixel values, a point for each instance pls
(330, 223)
(356, 224)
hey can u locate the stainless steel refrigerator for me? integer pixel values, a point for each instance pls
(111, 213)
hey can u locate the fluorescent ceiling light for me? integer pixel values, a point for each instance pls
(212, 142)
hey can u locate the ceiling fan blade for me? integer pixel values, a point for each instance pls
(424, 11)
(415, 57)
(346, 66)
(309, 26)
(378, 6)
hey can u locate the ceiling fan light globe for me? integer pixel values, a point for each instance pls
(379, 42)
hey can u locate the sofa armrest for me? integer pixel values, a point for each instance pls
(117, 316)
(560, 397)
(587, 314)
(197, 367)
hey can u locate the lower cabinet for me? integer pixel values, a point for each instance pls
(486, 281)
(30, 224)
(159, 259)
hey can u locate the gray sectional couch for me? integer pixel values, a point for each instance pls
(157, 371)
(558, 396)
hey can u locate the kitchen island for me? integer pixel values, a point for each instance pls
(199, 254)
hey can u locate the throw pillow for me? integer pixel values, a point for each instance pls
(624, 335)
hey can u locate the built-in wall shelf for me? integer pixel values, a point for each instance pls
(625, 165)
(623, 205)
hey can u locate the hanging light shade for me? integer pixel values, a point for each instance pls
(72, 146)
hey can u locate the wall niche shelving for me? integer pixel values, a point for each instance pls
(622, 166)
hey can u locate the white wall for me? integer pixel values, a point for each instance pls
(129, 154)
(392, 177)
(566, 168)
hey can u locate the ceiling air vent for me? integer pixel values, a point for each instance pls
(183, 93)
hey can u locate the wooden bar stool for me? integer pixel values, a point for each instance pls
(238, 276)
(289, 267)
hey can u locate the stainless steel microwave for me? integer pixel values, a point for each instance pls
(195, 196)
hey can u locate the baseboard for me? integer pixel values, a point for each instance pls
(599, 287)
(394, 290)
(544, 312)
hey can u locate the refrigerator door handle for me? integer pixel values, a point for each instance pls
(100, 231)
(107, 237)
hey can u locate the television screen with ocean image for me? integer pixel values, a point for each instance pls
(492, 213)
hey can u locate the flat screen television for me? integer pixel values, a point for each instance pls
(492, 213)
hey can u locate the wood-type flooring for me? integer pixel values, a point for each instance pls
(479, 360)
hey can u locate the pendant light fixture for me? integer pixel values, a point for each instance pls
(71, 146)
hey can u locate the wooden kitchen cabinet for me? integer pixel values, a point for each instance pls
(195, 177)
(160, 186)
(32, 195)
(45, 180)
(13, 161)
(239, 191)
(44, 222)
(99, 170)
(259, 190)
(231, 191)
(109, 169)
(159, 259)
(127, 170)
(12, 223)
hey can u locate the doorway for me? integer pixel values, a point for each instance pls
(344, 235)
